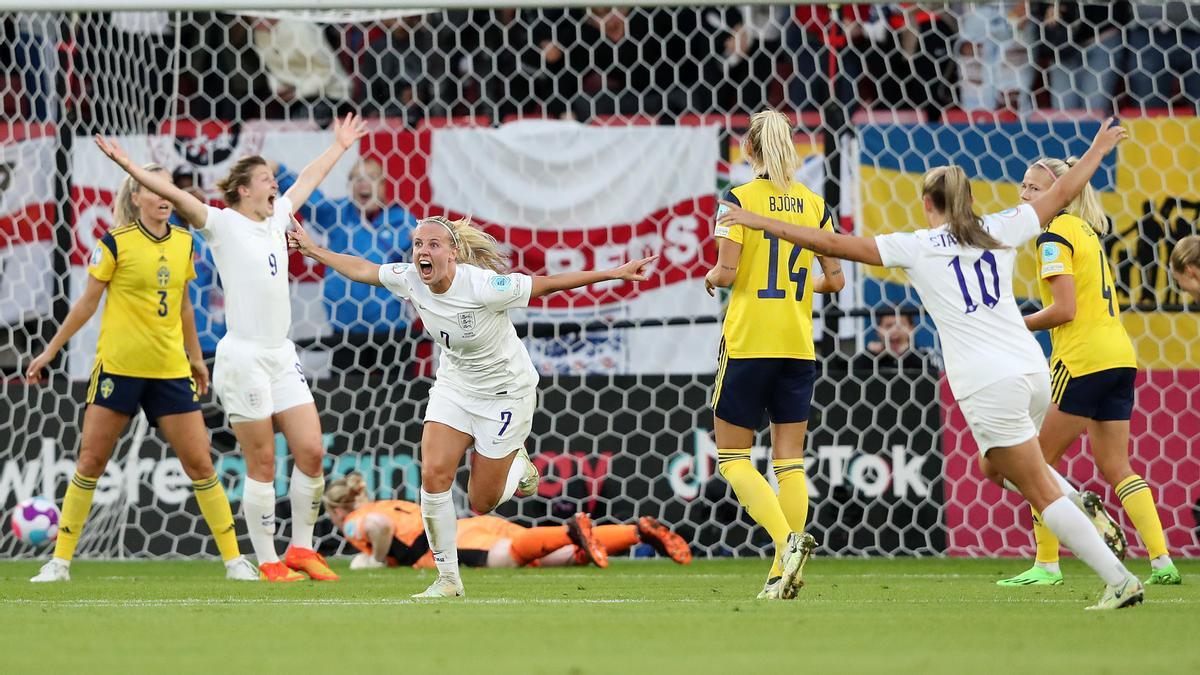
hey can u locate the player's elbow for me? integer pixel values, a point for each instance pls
(1065, 312)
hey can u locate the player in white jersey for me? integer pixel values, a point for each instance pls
(962, 267)
(486, 388)
(257, 376)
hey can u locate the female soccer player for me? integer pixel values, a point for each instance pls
(257, 375)
(148, 356)
(1185, 265)
(962, 267)
(1093, 367)
(767, 360)
(390, 533)
(485, 391)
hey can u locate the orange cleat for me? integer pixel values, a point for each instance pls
(664, 540)
(310, 562)
(278, 572)
(588, 548)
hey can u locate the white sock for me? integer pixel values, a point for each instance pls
(1069, 490)
(258, 507)
(516, 471)
(1160, 562)
(1051, 567)
(305, 495)
(441, 529)
(1078, 534)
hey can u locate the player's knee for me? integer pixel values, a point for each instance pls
(1114, 470)
(260, 464)
(309, 457)
(197, 466)
(435, 479)
(483, 504)
(90, 465)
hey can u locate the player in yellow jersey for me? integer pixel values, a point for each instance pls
(1092, 367)
(148, 357)
(1185, 265)
(767, 360)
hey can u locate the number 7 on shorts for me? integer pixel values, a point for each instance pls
(505, 420)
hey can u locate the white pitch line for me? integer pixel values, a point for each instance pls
(315, 602)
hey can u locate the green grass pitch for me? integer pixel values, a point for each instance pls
(906, 615)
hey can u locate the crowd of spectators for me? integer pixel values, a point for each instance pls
(657, 62)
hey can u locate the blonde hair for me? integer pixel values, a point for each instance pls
(1086, 206)
(950, 191)
(770, 148)
(124, 210)
(474, 246)
(345, 492)
(239, 177)
(1186, 254)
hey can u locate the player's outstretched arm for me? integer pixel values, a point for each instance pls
(1062, 310)
(821, 242)
(349, 266)
(1071, 183)
(634, 270)
(346, 132)
(188, 207)
(83, 310)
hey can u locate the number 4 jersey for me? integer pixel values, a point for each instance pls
(770, 305)
(968, 292)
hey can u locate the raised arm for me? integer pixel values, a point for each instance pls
(83, 310)
(346, 132)
(634, 270)
(1071, 183)
(188, 207)
(821, 242)
(349, 266)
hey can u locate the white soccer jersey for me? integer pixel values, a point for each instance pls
(968, 292)
(481, 353)
(252, 261)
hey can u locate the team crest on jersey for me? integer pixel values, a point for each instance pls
(1050, 252)
(466, 323)
(106, 387)
(97, 255)
(164, 276)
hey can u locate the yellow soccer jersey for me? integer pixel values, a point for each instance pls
(1094, 340)
(770, 307)
(141, 332)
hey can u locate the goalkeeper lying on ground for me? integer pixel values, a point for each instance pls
(390, 533)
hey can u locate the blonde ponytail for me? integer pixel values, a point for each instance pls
(474, 246)
(771, 150)
(345, 492)
(1086, 205)
(124, 210)
(950, 191)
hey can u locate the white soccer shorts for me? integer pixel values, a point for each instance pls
(253, 380)
(1008, 412)
(498, 425)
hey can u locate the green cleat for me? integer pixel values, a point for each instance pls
(1034, 576)
(1165, 576)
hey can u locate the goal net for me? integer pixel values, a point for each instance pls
(581, 138)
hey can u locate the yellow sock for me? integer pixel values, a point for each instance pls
(1138, 501)
(793, 491)
(1047, 543)
(75, 508)
(210, 495)
(755, 494)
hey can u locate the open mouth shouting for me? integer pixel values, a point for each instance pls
(425, 268)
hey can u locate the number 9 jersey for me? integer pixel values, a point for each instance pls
(770, 305)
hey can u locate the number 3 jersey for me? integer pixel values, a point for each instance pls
(141, 331)
(770, 304)
(480, 351)
(968, 292)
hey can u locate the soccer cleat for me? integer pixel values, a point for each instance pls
(443, 587)
(799, 547)
(579, 529)
(55, 570)
(278, 572)
(1126, 594)
(1108, 528)
(770, 589)
(663, 540)
(1163, 576)
(1034, 576)
(240, 569)
(529, 484)
(309, 562)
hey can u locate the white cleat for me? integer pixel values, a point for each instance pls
(770, 589)
(443, 587)
(1127, 594)
(529, 483)
(240, 569)
(55, 570)
(800, 546)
